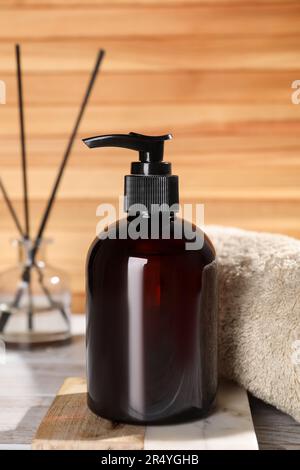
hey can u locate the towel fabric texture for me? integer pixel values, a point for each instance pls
(259, 313)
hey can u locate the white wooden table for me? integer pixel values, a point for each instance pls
(30, 380)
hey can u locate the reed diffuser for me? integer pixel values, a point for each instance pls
(34, 297)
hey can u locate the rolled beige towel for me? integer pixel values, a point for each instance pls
(259, 311)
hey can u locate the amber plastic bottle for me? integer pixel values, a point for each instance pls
(151, 308)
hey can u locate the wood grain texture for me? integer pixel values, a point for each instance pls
(139, 54)
(274, 430)
(217, 74)
(145, 22)
(70, 425)
(213, 118)
(92, 3)
(186, 87)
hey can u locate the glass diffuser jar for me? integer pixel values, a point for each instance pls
(37, 312)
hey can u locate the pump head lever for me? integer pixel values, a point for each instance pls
(150, 148)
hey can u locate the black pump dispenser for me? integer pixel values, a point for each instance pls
(151, 181)
(151, 336)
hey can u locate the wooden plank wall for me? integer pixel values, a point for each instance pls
(217, 74)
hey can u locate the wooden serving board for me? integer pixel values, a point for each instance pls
(70, 425)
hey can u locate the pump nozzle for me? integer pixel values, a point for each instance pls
(150, 148)
(158, 185)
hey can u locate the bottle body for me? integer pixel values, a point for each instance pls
(151, 329)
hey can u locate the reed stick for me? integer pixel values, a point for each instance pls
(11, 208)
(66, 155)
(23, 143)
